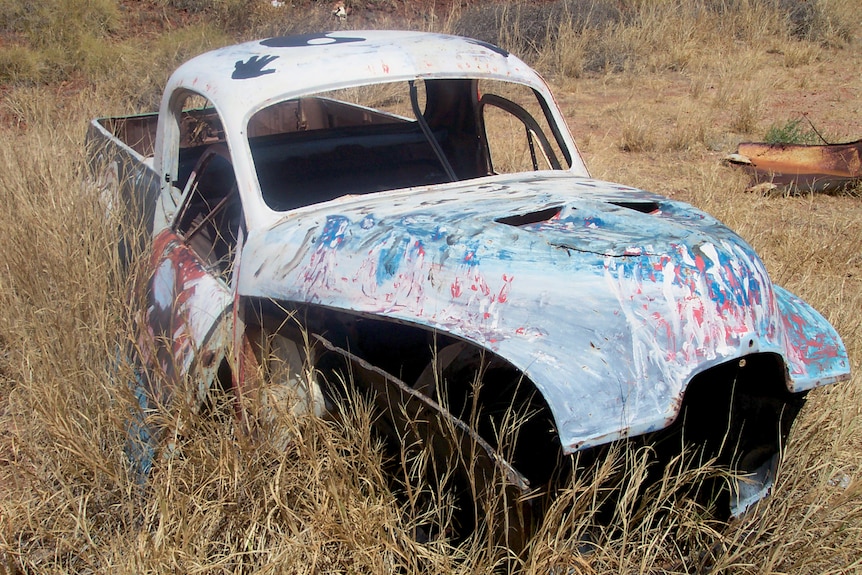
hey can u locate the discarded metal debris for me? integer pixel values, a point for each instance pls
(800, 168)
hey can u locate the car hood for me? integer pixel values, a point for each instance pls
(610, 299)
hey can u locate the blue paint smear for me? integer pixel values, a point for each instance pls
(141, 441)
(390, 260)
(470, 255)
(334, 231)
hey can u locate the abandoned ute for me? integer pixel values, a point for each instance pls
(407, 213)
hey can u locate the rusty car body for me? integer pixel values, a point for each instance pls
(410, 209)
(801, 168)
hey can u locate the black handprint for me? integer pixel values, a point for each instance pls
(253, 68)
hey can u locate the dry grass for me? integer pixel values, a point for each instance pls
(657, 100)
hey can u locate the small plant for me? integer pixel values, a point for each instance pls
(791, 132)
(637, 135)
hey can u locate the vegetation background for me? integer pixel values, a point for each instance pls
(656, 93)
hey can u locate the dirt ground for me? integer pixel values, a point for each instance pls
(599, 109)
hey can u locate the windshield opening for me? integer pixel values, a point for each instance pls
(367, 139)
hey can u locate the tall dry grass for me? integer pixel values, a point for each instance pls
(669, 78)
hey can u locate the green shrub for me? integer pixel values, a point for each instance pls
(59, 22)
(56, 37)
(791, 132)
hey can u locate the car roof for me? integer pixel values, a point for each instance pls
(251, 75)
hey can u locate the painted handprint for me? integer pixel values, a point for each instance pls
(252, 68)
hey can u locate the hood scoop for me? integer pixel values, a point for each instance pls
(530, 218)
(648, 207)
(612, 227)
(553, 212)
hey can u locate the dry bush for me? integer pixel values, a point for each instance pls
(747, 110)
(62, 474)
(93, 40)
(18, 65)
(59, 37)
(573, 37)
(690, 131)
(832, 22)
(637, 135)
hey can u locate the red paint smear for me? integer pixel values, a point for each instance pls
(481, 285)
(420, 248)
(504, 291)
(698, 315)
(456, 288)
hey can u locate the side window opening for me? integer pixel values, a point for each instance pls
(211, 215)
(199, 128)
(451, 108)
(518, 133)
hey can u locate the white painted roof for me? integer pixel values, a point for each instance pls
(249, 76)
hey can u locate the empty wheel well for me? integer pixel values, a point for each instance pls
(737, 415)
(475, 385)
(740, 411)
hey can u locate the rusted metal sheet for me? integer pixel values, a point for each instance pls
(801, 168)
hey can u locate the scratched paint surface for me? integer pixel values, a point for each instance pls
(184, 306)
(610, 309)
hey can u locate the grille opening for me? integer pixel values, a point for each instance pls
(738, 414)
